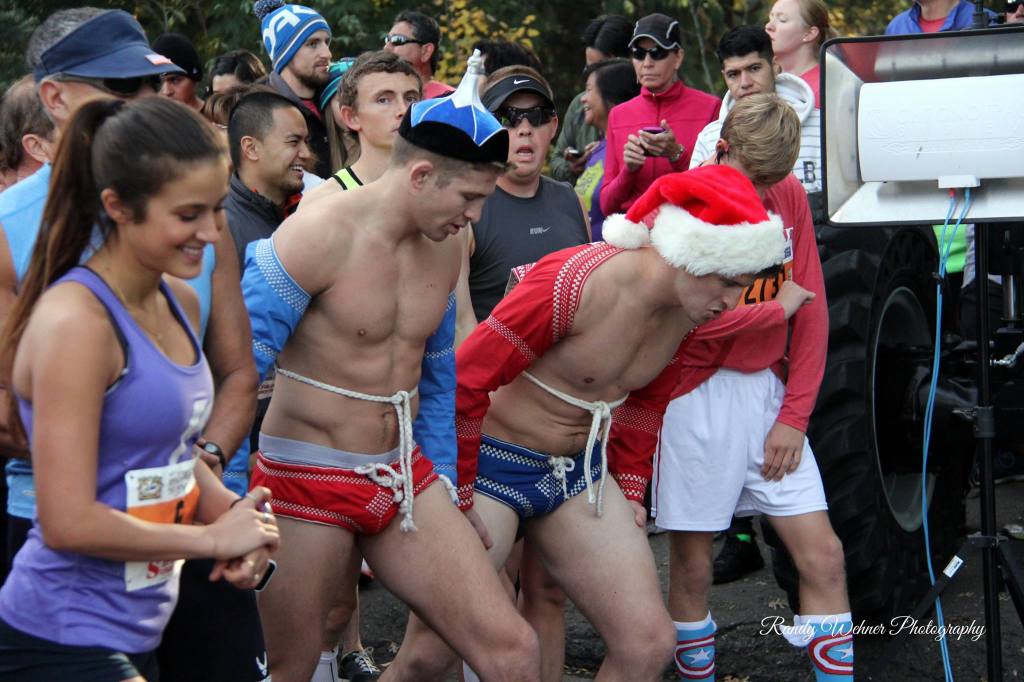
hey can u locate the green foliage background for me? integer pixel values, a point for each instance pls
(550, 27)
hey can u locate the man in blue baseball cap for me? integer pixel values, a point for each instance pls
(298, 41)
(83, 53)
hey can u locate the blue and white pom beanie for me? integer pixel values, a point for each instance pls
(285, 28)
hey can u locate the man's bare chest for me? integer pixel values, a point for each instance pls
(613, 354)
(382, 295)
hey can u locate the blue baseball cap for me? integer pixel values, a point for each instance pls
(110, 45)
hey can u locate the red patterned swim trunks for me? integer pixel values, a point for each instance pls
(335, 496)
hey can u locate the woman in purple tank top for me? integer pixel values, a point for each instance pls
(112, 390)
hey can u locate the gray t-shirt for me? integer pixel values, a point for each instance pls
(513, 231)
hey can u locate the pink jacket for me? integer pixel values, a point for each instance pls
(687, 112)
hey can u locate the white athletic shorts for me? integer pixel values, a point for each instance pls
(710, 452)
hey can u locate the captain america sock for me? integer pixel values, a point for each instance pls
(695, 649)
(831, 646)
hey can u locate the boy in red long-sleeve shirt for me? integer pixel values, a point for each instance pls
(732, 439)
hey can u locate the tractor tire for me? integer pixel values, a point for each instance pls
(881, 303)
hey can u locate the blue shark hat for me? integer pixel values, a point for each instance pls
(458, 126)
(285, 28)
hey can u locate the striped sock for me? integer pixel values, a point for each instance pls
(695, 649)
(831, 646)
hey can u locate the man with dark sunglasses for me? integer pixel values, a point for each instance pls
(416, 38)
(653, 133)
(529, 215)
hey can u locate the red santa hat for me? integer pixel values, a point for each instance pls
(706, 220)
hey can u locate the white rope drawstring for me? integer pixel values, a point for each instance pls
(560, 466)
(401, 484)
(450, 487)
(386, 477)
(600, 425)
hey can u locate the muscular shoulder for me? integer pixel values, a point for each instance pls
(311, 245)
(320, 226)
(574, 274)
(315, 195)
(594, 284)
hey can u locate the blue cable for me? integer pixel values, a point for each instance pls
(944, 249)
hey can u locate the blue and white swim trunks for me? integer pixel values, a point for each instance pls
(531, 483)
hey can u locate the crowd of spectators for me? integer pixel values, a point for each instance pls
(293, 127)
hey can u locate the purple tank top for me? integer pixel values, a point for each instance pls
(151, 418)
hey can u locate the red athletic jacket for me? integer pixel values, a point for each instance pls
(748, 339)
(686, 110)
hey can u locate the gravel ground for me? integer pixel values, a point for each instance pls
(745, 655)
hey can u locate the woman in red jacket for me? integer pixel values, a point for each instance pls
(653, 133)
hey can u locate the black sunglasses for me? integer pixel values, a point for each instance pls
(509, 117)
(657, 53)
(397, 39)
(119, 87)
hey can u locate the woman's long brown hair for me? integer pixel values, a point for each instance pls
(133, 149)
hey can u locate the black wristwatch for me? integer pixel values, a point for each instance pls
(214, 449)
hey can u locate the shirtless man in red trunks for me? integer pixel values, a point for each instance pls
(345, 295)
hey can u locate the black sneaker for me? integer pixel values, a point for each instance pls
(358, 666)
(739, 557)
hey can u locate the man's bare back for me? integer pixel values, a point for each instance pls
(377, 294)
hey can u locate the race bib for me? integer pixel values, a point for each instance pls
(166, 494)
(767, 288)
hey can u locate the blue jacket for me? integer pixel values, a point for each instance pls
(959, 18)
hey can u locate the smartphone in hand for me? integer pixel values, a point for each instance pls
(653, 130)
